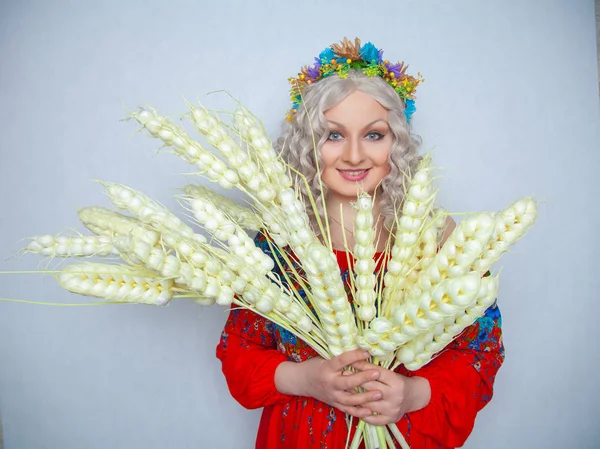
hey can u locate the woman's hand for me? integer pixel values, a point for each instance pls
(326, 381)
(400, 394)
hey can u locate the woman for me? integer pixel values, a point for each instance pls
(359, 119)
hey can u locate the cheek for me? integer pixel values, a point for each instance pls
(383, 162)
(387, 169)
(383, 166)
(328, 157)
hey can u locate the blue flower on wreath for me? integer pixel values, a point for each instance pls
(326, 55)
(370, 53)
(409, 109)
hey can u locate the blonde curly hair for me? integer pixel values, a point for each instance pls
(309, 128)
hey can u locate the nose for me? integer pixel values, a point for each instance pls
(353, 153)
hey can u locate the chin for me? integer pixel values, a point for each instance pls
(352, 192)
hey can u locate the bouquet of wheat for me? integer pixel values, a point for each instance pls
(404, 315)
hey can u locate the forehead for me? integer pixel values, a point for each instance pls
(356, 109)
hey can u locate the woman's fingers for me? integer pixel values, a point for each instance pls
(387, 410)
(377, 420)
(364, 365)
(356, 399)
(375, 385)
(380, 407)
(386, 377)
(384, 374)
(357, 412)
(348, 358)
(348, 382)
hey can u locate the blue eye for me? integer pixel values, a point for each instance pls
(375, 136)
(334, 135)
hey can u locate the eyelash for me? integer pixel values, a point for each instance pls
(378, 135)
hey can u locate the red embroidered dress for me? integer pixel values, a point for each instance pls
(461, 380)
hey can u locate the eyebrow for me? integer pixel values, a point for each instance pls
(367, 126)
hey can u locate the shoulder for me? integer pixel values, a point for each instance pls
(265, 242)
(281, 256)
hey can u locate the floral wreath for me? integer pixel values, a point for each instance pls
(347, 55)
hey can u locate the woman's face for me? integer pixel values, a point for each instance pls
(356, 153)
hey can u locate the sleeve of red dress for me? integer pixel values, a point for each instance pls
(249, 355)
(461, 380)
(249, 358)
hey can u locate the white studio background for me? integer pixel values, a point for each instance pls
(510, 105)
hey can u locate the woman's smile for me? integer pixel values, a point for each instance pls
(354, 175)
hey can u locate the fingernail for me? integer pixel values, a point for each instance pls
(377, 396)
(366, 354)
(375, 375)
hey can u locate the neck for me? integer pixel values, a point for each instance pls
(340, 211)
